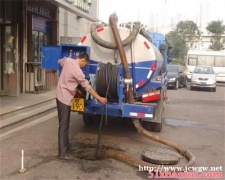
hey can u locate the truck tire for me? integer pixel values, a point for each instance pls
(148, 125)
(176, 86)
(87, 119)
(185, 83)
(91, 120)
(157, 126)
(152, 126)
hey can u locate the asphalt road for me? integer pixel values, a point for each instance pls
(193, 119)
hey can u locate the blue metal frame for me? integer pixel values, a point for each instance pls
(121, 109)
(117, 110)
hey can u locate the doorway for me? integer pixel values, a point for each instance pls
(9, 60)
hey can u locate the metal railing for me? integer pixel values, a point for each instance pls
(38, 80)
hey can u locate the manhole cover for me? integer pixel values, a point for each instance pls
(161, 156)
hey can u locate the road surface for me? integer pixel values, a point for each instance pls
(193, 119)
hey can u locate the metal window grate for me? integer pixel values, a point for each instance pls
(38, 80)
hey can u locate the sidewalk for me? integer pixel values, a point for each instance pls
(10, 104)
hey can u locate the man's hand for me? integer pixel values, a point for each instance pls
(99, 98)
(61, 61)
(102, 100)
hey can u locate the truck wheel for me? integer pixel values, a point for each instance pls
(191, 88)
(88, 120)
(91, 120)
(156, 126)
(185, 83)
(152, 126)
(159, 114)
(214, 89)
(176, 86)
(147, 125)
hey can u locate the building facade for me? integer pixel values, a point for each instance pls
(26, 25)
(203, 42)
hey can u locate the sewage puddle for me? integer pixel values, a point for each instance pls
(185, 123)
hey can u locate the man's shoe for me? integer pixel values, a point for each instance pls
(66, 157)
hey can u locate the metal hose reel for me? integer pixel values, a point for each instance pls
(106, 75)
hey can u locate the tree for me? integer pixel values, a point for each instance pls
(216, 28)
(188, 30)
(179, 48)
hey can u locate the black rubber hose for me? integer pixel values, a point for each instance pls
(144, 33)
(112, 45)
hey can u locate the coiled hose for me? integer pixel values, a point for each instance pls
(112, 45)
(107, 73)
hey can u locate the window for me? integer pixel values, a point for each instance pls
(8, 11)
(173, 68)
(206, 60)
(203, 70)
(1, 11)
(220, 61)
(40, 36)
(192, 62)
(38, 39)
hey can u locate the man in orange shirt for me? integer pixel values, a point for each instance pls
(71, 76)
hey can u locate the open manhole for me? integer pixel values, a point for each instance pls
(90, 154)
(88, 151)
(161, 156)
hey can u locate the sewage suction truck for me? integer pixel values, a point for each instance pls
(129, 68)
(146, 59)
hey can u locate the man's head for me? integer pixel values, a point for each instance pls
(83, 59)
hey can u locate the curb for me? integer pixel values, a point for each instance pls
(15, 119)
(28, 125)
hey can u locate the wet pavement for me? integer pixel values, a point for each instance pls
(193, 119)
(185, 123)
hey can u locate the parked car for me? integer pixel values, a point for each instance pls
(203, 77)
(176, 76)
